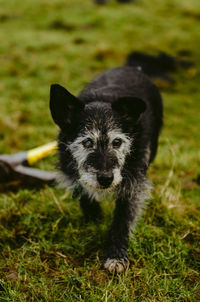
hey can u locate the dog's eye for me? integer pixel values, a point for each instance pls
(117, 143)
(88, 143)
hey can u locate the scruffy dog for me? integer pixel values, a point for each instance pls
(108, 137)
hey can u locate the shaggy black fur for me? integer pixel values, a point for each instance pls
(120, 98)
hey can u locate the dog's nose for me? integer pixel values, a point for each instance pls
(105, 179)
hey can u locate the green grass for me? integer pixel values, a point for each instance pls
(47, 253)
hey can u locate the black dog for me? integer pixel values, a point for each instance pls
(108, 138)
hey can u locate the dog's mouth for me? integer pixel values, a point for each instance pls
(96, 186)
(105, 179)
(100, 180)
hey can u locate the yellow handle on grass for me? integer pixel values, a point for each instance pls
(40, 152)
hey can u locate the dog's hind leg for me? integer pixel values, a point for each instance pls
(128, 207)
(91, 208)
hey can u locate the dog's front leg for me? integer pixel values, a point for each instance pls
(91, 208)
(128, 208)
(116, 254)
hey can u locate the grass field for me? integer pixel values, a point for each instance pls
(47, 252)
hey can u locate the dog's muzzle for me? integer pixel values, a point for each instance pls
(105, 179)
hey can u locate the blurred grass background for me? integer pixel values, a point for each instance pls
(47, 253)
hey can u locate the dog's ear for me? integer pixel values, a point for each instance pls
(65, 108)
(129, 107)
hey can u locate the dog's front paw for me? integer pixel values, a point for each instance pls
(116, 265)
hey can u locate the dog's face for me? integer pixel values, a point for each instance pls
(100, 148)
(96, 141)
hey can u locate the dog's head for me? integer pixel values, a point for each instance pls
(94, 134)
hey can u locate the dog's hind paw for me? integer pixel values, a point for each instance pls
(116, 265)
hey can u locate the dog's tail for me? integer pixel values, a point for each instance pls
(157, 67)
(152, 64)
